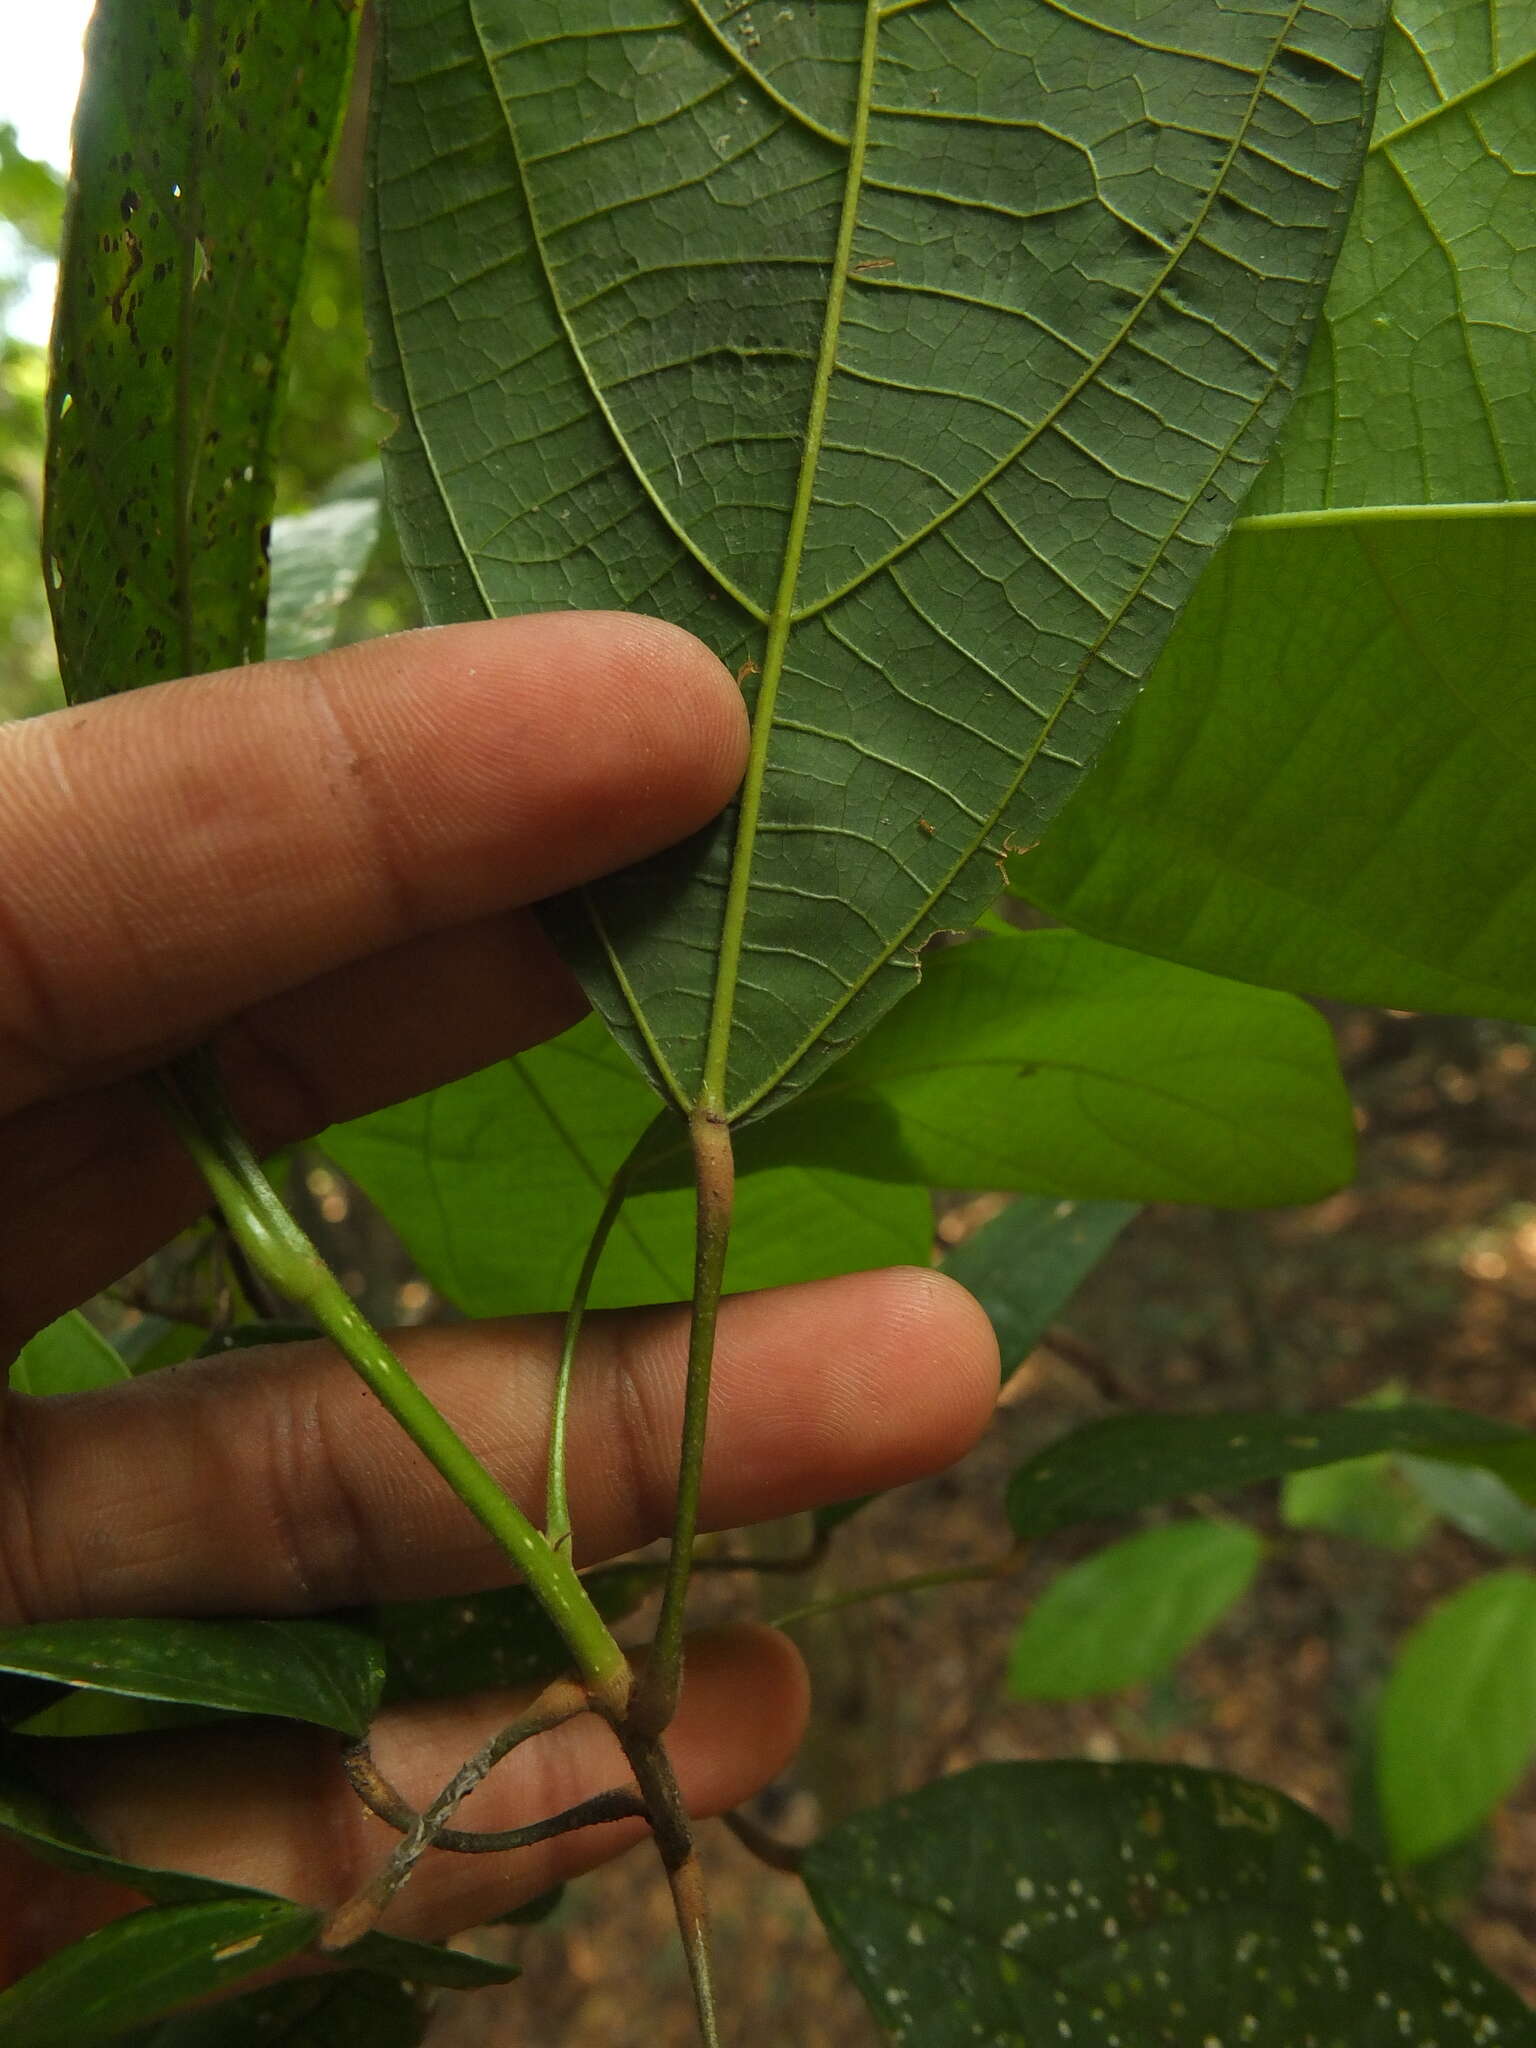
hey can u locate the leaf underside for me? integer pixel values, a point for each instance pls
(918, 356)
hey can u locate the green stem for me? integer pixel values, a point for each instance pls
(855, 1596)
(193, 1098)
(714, 1176)
(557, 1506)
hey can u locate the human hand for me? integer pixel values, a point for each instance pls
(321, 865)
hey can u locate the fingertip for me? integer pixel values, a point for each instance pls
(948, 1323)
(581, 740)
(841, 1387)
(683, 708)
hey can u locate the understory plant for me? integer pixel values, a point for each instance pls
(953, 368)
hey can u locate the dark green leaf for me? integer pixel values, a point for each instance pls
(435, 1649)
(314, 1671)
(1026, 1265)
(36, 1821)
(422, 1962)
(69, 1357)
(317, 559)
(1128, 1462)
(149, 1963)
(1331, 781)
(495, 1184)
(1105, 1075)
(1457, 1725)
(1129, 1613)
(1138, 1906)
(203, 128)
(878, 346)
(347, 2010)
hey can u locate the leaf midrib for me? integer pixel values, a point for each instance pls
(782, 618)
(1403, 513)
(762, 726)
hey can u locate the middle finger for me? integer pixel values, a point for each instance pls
(272, 1481)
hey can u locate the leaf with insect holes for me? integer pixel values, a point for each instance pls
(203, 129)
(918, 355)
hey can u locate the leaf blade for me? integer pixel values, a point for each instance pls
(174, 300)
(314, 1671)
(148, 1963)
(1127, 1614)
(1214, 1095)
(834, 562)
(1456, 1728)
(69, 1357)
(1356, 660)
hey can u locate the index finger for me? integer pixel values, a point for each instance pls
(169, 857)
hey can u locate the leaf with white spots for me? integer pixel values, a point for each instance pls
(1075, 1905)
(323, 1672)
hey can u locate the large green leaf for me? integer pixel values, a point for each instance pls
(1330, 783)
(69, 1357)
(149, 1963)
(1128, 1613)
(317, 1671)
(495, 1183)
(203, 128)
(1457, 1724)
(1138, 1906)
(34, 1820)
(920, 354)
(1128, 1462)
(1055, 1065)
